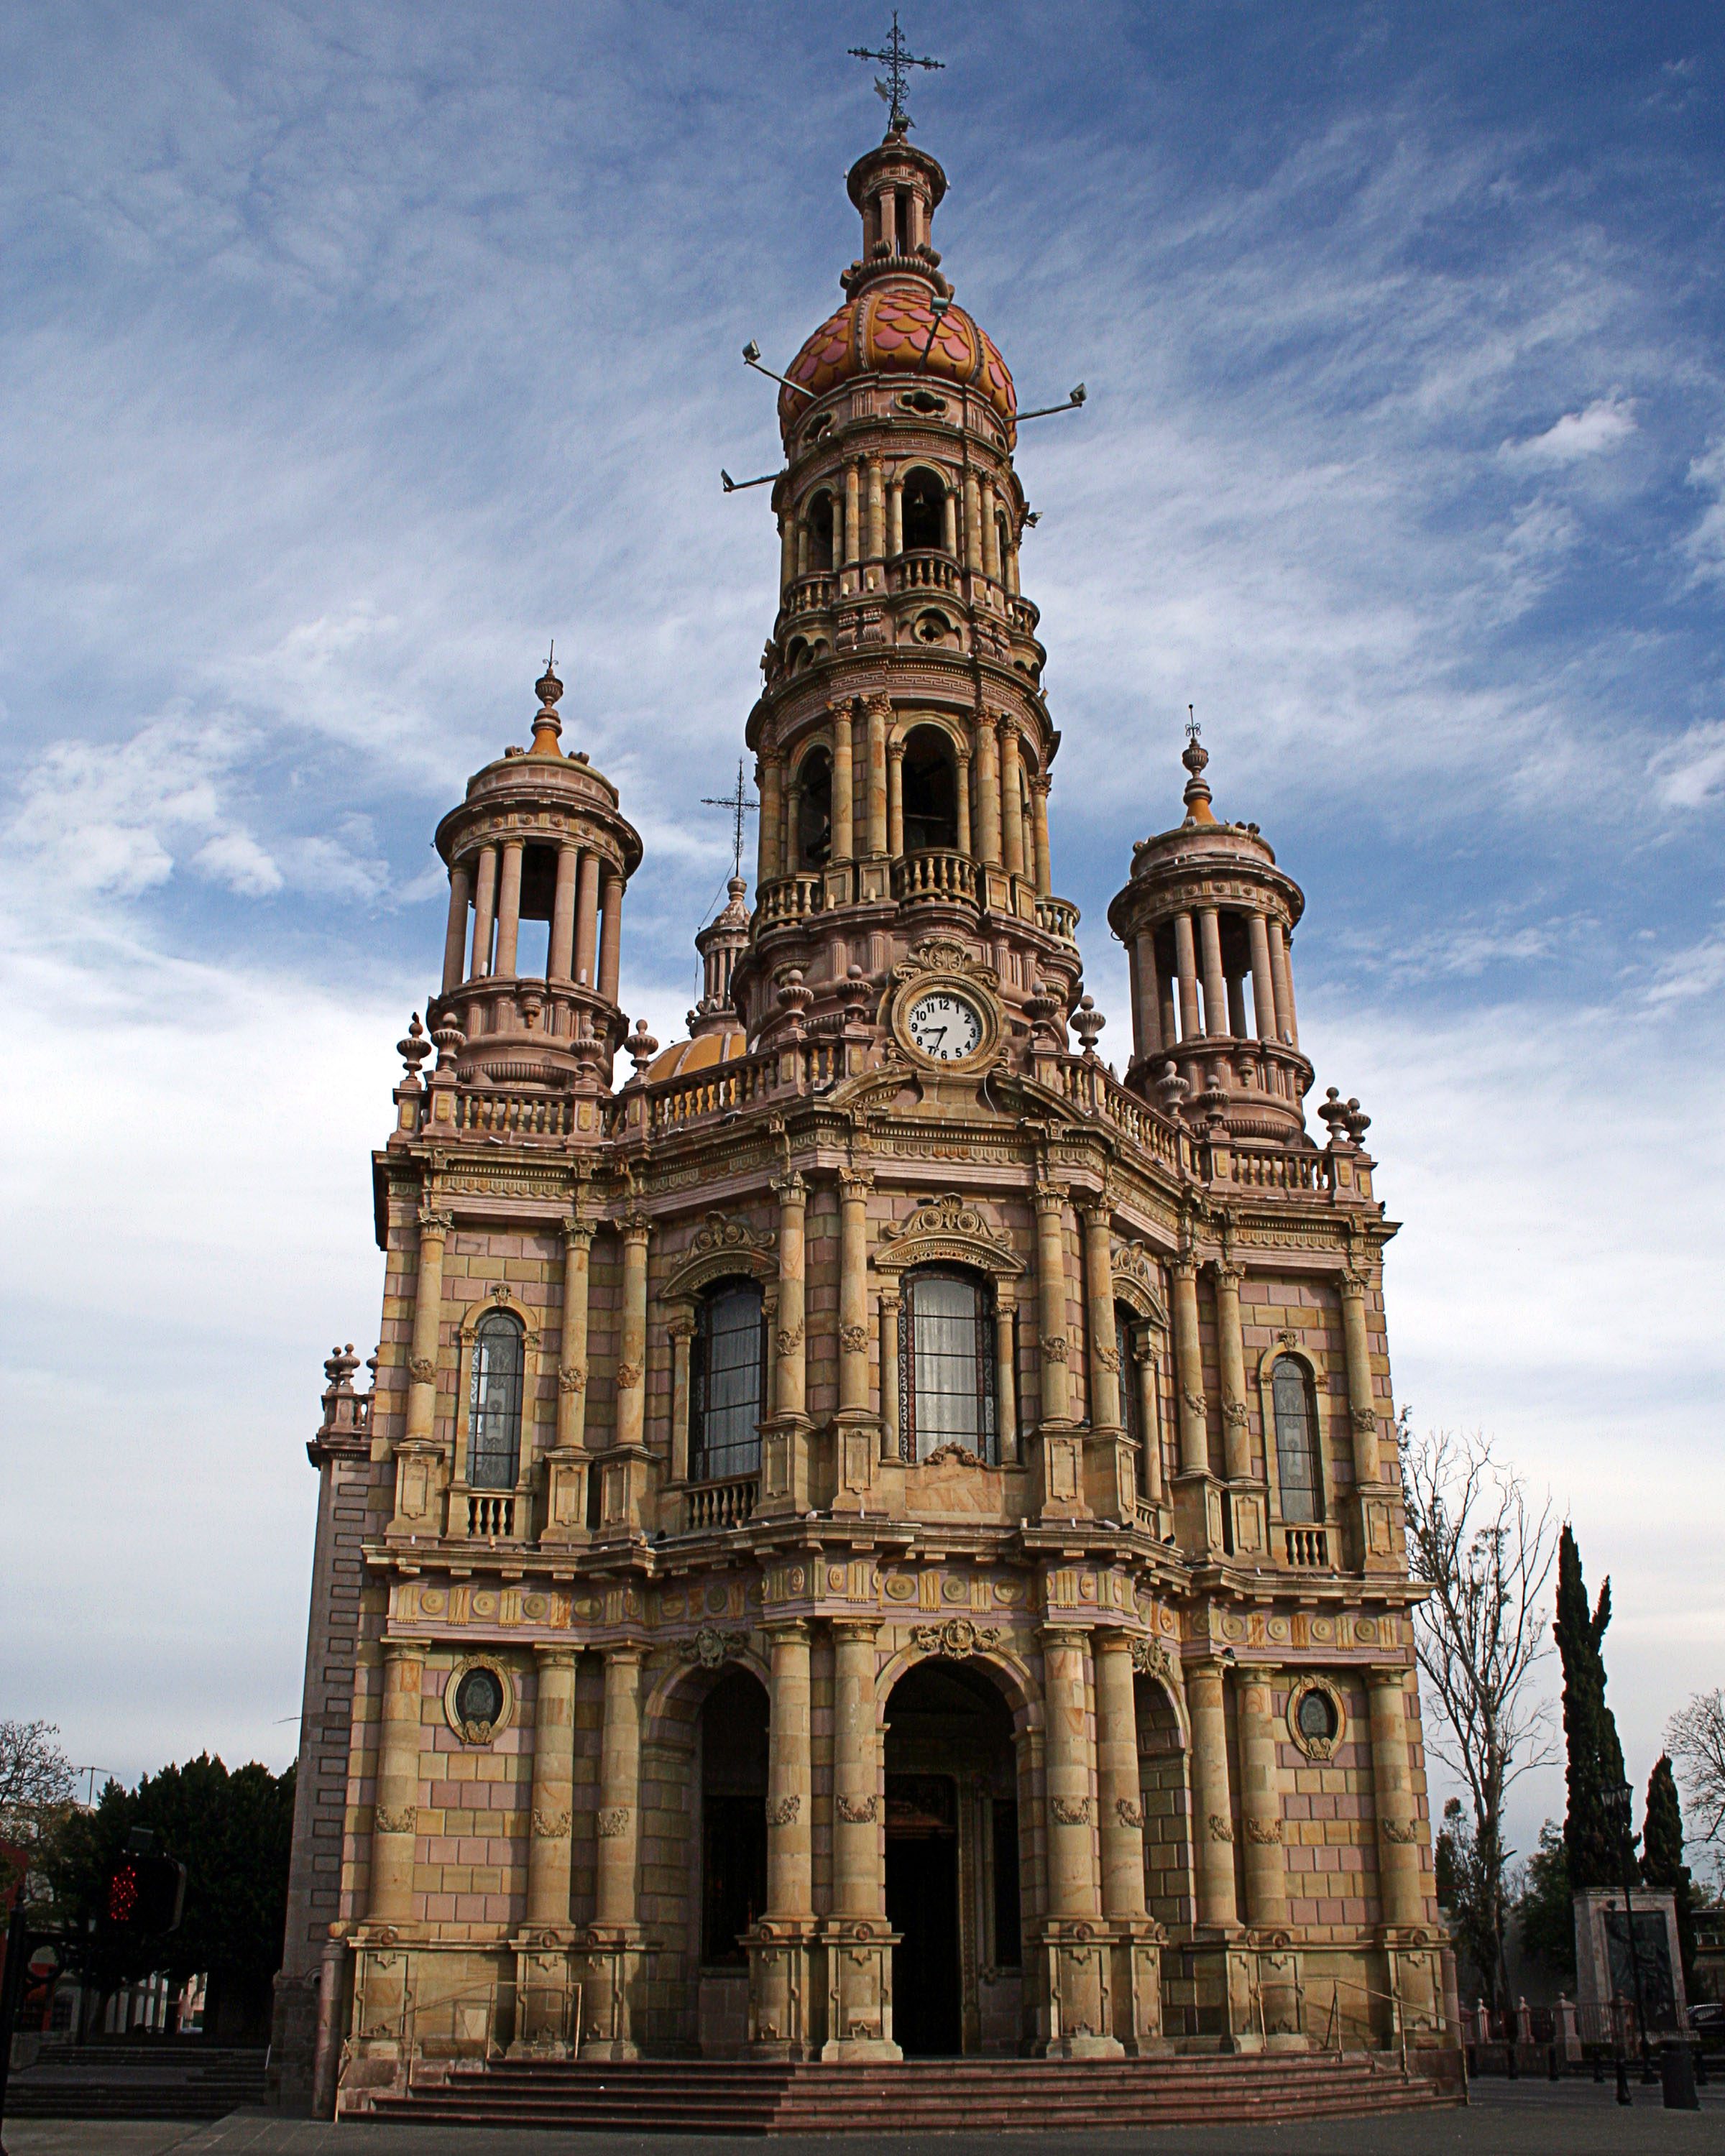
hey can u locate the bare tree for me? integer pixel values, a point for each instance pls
(1487, 1556)
(1695, 1738)
(36, 1778)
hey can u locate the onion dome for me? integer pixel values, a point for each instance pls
(899, 328)
(684, 1056)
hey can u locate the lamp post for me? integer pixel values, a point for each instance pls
(1618, 1799)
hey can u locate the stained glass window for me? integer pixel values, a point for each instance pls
(494, 1426)
(1295, 1442)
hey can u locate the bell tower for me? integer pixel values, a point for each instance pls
(903, 742)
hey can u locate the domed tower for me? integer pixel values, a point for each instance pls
(904, 745)
(539, 838)
(1206, 919)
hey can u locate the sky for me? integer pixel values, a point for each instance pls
(353, 353)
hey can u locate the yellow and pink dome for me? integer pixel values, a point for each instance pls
(885, 330)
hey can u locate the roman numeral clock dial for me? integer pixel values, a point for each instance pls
(946, 1027)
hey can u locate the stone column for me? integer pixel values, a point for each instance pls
(620, 1788)
(1188, 1369)
(1099, 1309)
(962, 790)
(987, 790)
(894, 518)
(509, 908)
(1149, 1413)
(567, 1463)
(859, 1886)
(1362, 1402)
(485, 909)
(1077, 1952)
(768, 845)
(853, 514)
(1186, 967)
(1281, 967)
(879, 710)
(1236, 1441)
(1051, 1300)
(395, 1814)
(1260, 1802)
(844, 787)
(787, 552)
(632, 1346)
(794, 828)
(1012, 813)
(611, 935)
(1215, 989)
(972, 525)
(854, 1190)
(891, 1315)
(1400, 1884)
(1039, 822)
(1213, 1828)
(1263, 980)
(682, 1333)
(435, 1228)
(991, 535)
(587, 919)
(1147, 996)
(1006, 1374)
(896, 798)
(551, 1846)
(789, 1777)
(877, 511)
(789, 1393)
(455, 935)
(560, 964)
(1122, 1824)
(949, 522)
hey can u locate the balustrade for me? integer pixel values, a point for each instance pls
(721, 1504)
(490, 1519)
(810, 595)
(487, 1112)
(923, 572)
(1308, 1548)
(791, 898)
(933, 876)
(1056, 917)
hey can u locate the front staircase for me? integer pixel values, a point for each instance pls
(929, 2096)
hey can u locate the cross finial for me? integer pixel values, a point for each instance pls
(740, 805)
(1192, 728)
(896, 59)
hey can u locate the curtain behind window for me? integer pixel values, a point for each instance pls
(1295, 1442)
(729, 1379)
(947, 1377)
(494, 1422)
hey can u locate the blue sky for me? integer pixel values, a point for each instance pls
(352, 352)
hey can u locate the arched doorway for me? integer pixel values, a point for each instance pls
(952, 1862)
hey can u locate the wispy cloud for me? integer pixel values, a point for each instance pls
(1603, 424)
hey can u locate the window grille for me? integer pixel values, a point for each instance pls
(494, 1422)
(729, 1383)
(946, 1366)
(1296, 1441)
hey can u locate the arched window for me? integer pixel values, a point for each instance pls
(923, 516)
(931, 791)
(814, 810)
(820, 535)
(493, 1415)
(728, 1382)
(1296, 1465)
(1132, 1407)
(946, 1364)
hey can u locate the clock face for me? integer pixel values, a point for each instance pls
(946, 1027)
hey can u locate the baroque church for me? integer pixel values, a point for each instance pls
(869, 1536)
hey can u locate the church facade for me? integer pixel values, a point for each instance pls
(875, 1536)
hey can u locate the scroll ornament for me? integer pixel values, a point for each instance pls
(1151, 1658)
(1108, 1357)
(572, 1378)
(1129, 1811)
(422, 1369)
(1071, 1811)
(712, 1648)
(1196, 1401)
(1404, 1831)
(1265, 1833)
(1221, 1829)
(854, 1339)
(957, 1638)
(857, 1811)
(790, 1339)
(550, 1826)
(403, 1821)
(1054, 1346)
(628, 1375)
(782, 1810)
(1233, 1413)
(614, 1822)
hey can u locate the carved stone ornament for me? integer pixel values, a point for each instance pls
(1233, 1413)
(1137, 1282)
(943, 954)
(422, 1369)
(1071, 1811)
(854, 1339)
(790, 1339)
(1195, 1401)
(1287, 1340)
(1152, 1659)
(404, 1821)
(550, 1826)
(1317, 1727)
(955, 1452)
(572, 1378)
(949, 1229)
(1265, 1833)
(713, 1648)
(1364, 1420)
(1221, 1829)
(1054, 1346)
(434, 1221)
(857, 1811)
(956, 1639)
(614, 1822)
(717, 1233)
(1406, 1832)
(782, 1810)
(1128, 1812)
(1108, 1357)
(628, 1375)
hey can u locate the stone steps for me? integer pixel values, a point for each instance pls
(98, 2083)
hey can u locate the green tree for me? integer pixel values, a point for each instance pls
(1662, 1865)
(1547, 1906)
(233, 1832)
(1596, 1851)
(1469, 1891)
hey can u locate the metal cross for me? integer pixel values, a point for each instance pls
(740, 805)
(1192, 727)
(896, 60)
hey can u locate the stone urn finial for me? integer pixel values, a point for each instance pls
(1171, 1090)
(546, 725)
(1087, 1022)
(1332, 1114)
(413, 1049)
(640, 1048)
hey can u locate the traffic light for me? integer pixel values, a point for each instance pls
(144, 1894)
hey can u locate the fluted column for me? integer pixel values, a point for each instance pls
(1051, 1300)
(1237, 1442)
(1072, 1869)
(789, 1777)
(1282, 969)
(561, 962)
(844, 787)
(1186, 966)
(484, 912)
(896, 798)
(509, 908)
(550, 1844)
(1038, 824)
(1188, 1369)
(1263, 979)
(571, 1360)
(587, 919)
(1215, 989)
(1099, 1311)
(1147, 996)
(620, 1788)
(988, 789)
(1361, 1402)
(435, 1228)
(853, 1290)
(1213, 1828)
(395, 1815)
(859, 1888)
(632, 1346)
(1402, 1888)
(1012, 814)
(1260, 1802)
(455, 934)
(879, 710)
(791, 1347)
(767, 849)
(611, 935)
(1149, 1415)
(1122, 1804)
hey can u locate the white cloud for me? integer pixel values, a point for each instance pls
(1603, 424)
(1705, 543)
(1697, 971)
(1690, 773)
(235, 859)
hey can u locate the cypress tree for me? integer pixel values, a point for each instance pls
(1662, 1865)
(1596, 1852)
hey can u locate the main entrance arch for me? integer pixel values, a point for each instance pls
(954, 1864)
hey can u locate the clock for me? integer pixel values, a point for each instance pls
(946, 1027)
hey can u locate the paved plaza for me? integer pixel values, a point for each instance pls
(1526, 2119)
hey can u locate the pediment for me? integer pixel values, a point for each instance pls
(949, 1230)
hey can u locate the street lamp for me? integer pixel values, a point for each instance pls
(1618, 1799)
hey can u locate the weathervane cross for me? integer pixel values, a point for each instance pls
(896, 59)
(740, 805)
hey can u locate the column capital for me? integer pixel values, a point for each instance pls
(1227, 1272)
(854, 1183)
(787, 1628)
(1387, 1677)
(436, 1220)
(635, 1227)
(1040, 783)
(553, 1655)
(1354, 1281)
(863, 1630)
(1050, 1197)
(792, 1187)
(1184, 1265)
(895, 747)
(1066, 1632)
(578, 1230)
(399, 1649)
(681, 1327)
(624, 1651)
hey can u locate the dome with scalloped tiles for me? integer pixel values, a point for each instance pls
(887, 329)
